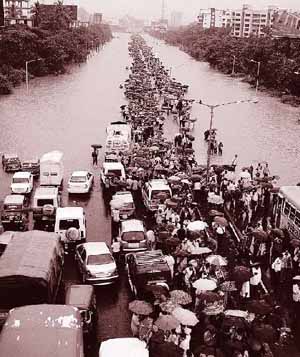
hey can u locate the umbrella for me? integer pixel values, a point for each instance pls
(96, 146)
(187, 182)
(173, 242)
(154, 148)
(245, 175)
(168, 306)
(259, 307)
(174, 179)
(215, 199)
(217, 260)
(209, 297)
(196, 178)
(265, 333)
(190, 137)
(260, 235)
(295, 242)
(197, 226)
(236, 313)
(215, 213)
(167, 322)
(140, 307)
(204, 285)
(180, 297)
(266, 185)
(230, 175)
(228, 286)
(233, 321)
(221, 221)
(182, 175)
(241, 274)
(277, 232)
(189, 150)
(186, 317)
(201, 250)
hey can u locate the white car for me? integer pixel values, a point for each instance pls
(22, 183)
(80, 182)
(125, 347)
(96, 263)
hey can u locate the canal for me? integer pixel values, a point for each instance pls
(71, 112)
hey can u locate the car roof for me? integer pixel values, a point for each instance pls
(6, 237)
(95, 248)
(14, 199)
(132, 225)
(46, 191)
(11, 155)
(69, 212)
(124, 196)
(34, 160)
(22, 174)
(113, 165)
(125, 346)
(79, 173)
(52, 156)
(79, 295)
(158, 184)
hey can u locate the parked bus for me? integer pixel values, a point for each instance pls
(287, 210)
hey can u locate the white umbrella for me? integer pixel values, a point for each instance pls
(197, 226)
(215, 199)
(186, 317)
(245, 175)
(217, 260)
(204, 285)
(230, 175)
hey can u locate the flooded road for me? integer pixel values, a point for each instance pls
(71, 112)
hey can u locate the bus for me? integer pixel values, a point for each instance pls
(287, 210)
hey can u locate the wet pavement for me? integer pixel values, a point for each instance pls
(71, 112)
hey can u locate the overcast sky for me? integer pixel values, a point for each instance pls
(152, 8)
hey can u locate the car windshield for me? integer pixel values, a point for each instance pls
(99, 259)
(65, 224)
(133, 236)
(78, 179)
(20, 180)
(114, 172)
(12, 207)
(44, 201)
(156, 192)
(12, 160)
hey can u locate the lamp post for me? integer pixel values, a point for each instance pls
(26, 71)
(257, 74)
(233, 65)
(212, 108)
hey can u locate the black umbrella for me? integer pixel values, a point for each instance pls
(96, 146)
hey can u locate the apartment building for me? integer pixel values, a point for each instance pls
(17, 12)
(211, 17)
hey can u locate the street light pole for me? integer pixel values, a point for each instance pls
(233, 65)
(212, 108)
(26, 71)
(257, 75)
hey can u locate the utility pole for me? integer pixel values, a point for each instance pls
(1, 13)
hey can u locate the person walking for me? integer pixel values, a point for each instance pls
(234, 162)
(95, 157)
(151, 241)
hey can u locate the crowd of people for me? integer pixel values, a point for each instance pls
(234, 274)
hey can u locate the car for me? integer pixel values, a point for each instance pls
(14, 216)
(151, 192)
(46, 200)
(132, 236)
(125, 347)
(96, 263)
(70, 224)
(123, 201)
(80, 182)
(83, 297)
(11, 162)
(32, 166)
(146, 271)
(110, 172)
(22, 183)
(5, 239)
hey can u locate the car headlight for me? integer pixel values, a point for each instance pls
(86, 185)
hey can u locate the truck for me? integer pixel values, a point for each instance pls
(31, 270)
(118, 137)
(52, 169)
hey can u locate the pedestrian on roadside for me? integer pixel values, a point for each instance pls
(95, 157)
(220, 148)
(116, 248)
(151, 240)
(234, 162)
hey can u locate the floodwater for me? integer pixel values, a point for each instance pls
(71, 112)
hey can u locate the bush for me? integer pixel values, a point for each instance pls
(5, 85)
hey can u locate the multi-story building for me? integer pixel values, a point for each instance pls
(17, 12)
(176, 19)
(211, 18)
(286, 23)
(97, 18)
(243, 22)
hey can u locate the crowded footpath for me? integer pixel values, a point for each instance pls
(234, 287)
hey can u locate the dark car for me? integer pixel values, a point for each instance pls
(83, 297)
(11, 163)
(32, 166)
(147, 271)
(14, 216)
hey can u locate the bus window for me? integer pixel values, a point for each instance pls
(292, 214)
(297, 220)
(287, 208)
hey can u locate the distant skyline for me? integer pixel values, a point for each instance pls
(151, 9)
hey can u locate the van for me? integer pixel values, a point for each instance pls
(42, 331)
(51, 169)
(151, 191)
(70, 224)
(31, 270)
(111, 171)
(118, 137)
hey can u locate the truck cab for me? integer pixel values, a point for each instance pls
(11, 162)
(22, 183)
(110, 172)
(13, 215)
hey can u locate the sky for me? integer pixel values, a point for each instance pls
(151, 9)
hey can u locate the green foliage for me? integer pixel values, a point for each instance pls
(279, 58)
(54, 42)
